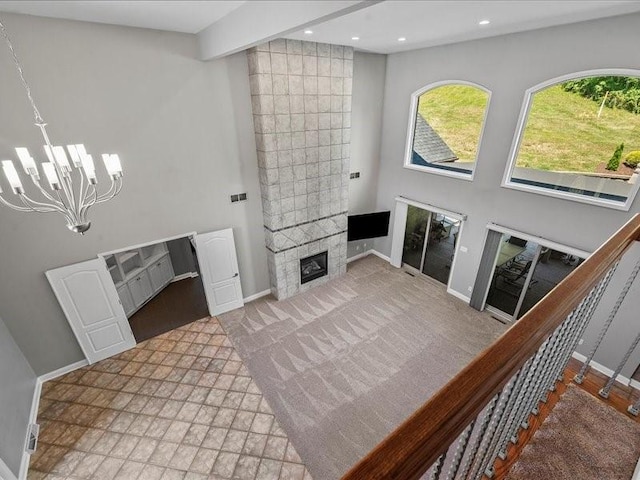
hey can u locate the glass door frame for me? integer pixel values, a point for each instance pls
(542, 243)
(399, 228)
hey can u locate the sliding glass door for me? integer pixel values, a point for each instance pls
(430, 242)
(524, 273)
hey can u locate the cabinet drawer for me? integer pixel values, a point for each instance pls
(140, 288)
(126, 299)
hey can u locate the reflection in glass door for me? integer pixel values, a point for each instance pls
(414, 235)
(441, 247)
(430, 242)
(511, 275)
(524, 273)
(552, 267)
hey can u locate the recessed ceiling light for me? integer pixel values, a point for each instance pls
(308, 32)
(484, 22)
(402, 39)
(355, 38)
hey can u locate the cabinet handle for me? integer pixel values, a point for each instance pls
(138, 279)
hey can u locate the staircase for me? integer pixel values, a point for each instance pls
(573, 427)
(477, 425)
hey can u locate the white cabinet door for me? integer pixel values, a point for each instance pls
(161, 273)
(156, 276)
(90, 301)
(126, 299)
(140, 287)
(219, 269)
(167, 269)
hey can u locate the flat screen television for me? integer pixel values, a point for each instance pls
(369, 225)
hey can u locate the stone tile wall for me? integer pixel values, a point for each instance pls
(301, 100)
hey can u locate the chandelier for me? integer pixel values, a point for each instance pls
(71, 179)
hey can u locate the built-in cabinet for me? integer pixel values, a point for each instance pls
(139, 274)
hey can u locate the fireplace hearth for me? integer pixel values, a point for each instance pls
(313, 267)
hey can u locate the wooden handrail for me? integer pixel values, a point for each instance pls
(416, 444)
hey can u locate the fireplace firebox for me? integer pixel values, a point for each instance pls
(313, 267)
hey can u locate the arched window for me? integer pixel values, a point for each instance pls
(447, 119)
(579, 138)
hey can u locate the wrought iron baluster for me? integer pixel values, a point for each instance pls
(579, 378)
(460, 451)
(473, 453)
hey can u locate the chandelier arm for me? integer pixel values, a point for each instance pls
(15, 207)
(66, 180)
(109, 194)
(37, 206)
(81, 192)
(46, 194)
(116, 191)
(29, 202)
(91, 202)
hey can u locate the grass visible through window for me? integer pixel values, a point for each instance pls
(456, 113)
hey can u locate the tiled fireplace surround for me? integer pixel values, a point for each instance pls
(301, 100)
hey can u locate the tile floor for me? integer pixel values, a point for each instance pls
(179, 406)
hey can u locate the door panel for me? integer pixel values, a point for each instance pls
(90, 302)
(106, 336)
(219, 267)
(87, 297)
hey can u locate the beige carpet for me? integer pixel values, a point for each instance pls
(345, 363)
(582, 439)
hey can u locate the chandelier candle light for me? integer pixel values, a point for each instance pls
(72, 201)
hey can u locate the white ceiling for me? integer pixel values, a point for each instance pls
(378, 24)
(176, 16)
(429, 23)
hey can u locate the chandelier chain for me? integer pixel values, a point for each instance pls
(36, 112)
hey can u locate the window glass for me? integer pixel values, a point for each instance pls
(447, 127)
(581, 140)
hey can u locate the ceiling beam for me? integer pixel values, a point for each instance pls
(256, 22)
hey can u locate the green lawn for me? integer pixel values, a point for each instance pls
(563, 132)
(456, 113)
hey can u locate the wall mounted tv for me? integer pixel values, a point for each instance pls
(369, 225)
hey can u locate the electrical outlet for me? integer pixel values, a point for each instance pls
(470, 289)
(581, 341)
(463, 249)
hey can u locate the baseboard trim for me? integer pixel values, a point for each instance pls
(33, 418)
(5, 473)
(359, 256)
(63, 371)
(256, 296)
(627, 382)
(380, 255)
(33, 414)
(459, 295)
(182, 276)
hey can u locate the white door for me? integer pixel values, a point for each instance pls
(219, 268)
(90, 301)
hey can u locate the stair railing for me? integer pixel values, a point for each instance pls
(470, 422)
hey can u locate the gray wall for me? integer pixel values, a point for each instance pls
(183, 129)
(16, 394)
(369, 70)
(181, 255)
(508, 66)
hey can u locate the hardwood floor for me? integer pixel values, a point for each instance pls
(620, 398)
(178, 304)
